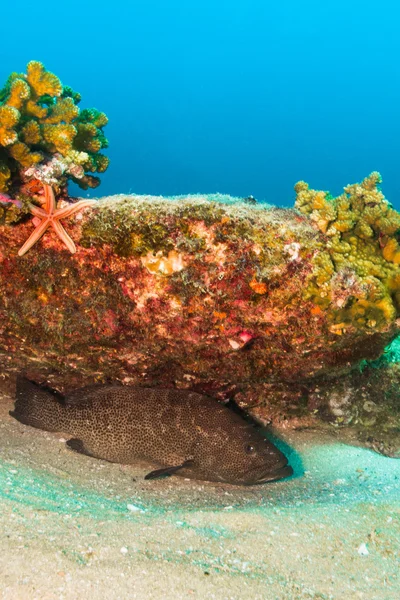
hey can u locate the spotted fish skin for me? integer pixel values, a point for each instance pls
(195, 435)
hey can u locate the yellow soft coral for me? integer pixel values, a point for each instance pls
(101, 163)
(30, 133)
(64, 110)
(21, 153)
(9, 117)
(33, 109)
(42, 82)
(315, 204)
(86, 137)
(19, 93)
(39, 121)
(361, 229)
(4, 177)
(59, 137)
(391, 251)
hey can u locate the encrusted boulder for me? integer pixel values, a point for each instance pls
(241, 301)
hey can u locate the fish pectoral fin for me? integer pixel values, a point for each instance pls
(77, 445)
(168, 470)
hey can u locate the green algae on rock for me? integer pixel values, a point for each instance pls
(206, 293)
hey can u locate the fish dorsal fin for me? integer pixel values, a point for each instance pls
(168, 470)
(25, 386)
(89, 393)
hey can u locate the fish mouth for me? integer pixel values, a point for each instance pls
(281, 470)
(280, 473)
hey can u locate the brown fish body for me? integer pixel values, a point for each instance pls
(182, 431)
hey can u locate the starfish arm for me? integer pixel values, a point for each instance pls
(50, 201)
(34, 237)
(64, 237)
(67, 211)
(38, 212)
(50, 215)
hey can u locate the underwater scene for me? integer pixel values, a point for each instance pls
(200, 300)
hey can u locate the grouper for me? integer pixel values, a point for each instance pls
(181, 432)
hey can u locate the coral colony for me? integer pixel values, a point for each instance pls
(211, 293)
(357, 273)
(45, 141)
(45, 137)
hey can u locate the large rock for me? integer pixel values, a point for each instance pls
(204, 292)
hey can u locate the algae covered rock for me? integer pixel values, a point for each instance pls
(211, 293)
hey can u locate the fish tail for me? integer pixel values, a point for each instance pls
(37, 406)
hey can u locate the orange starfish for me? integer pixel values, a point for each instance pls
(50, 215)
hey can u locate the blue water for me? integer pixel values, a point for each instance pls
(240, 97)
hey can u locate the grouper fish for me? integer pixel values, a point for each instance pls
(181, 432)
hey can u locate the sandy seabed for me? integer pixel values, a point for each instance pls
(75, 527)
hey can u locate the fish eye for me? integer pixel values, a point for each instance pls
(250, 449)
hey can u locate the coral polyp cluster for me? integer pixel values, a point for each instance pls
(45, 137)
(356, 268)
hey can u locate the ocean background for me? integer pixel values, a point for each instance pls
(239, 97)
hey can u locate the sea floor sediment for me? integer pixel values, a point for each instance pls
(72, 525)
